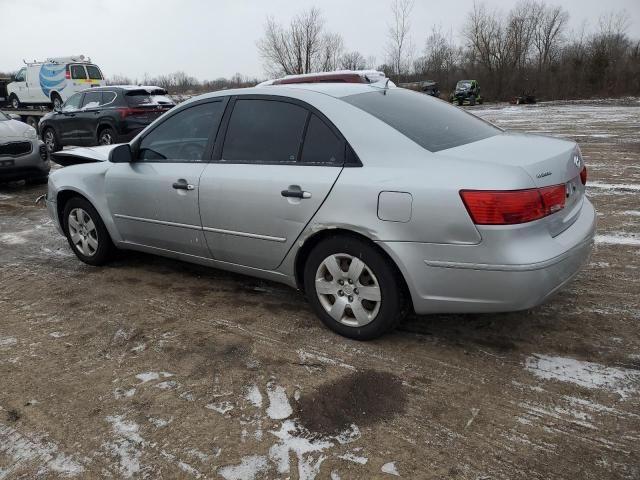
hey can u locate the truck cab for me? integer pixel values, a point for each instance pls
(53, 81)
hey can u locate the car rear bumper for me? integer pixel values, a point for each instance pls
(27, 166)
(453, 284)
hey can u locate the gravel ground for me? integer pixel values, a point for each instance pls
(150, 368)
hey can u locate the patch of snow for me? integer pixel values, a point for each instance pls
(220, 407)
(631, 187)
(301, 443)
(122, 393)
(279, 407)
(254, 396)
(160, 422)
(390, 468)
(350, 435)
(150, 376)
(354, 458)
(58, 334)
(304, 356)
(7, 341)
(248, 469)
(5, 197)
(126, 445)
(617, 239)
(185, 467)
(586, 374)
(168, 385)
(631, 213)
(139, 348)
(22, 451)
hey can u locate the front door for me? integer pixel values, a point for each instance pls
(88, 118)
(269, 181)
(154, 199)
(67, 121)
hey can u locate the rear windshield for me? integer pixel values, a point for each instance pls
(145, 97)
(78, 72)
(431, 123)
(94, 72)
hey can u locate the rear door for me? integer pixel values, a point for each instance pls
(275, 167)
(154, 199)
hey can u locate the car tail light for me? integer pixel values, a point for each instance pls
(583, 175)
(67, 73)
(510, 207)
(126, 111)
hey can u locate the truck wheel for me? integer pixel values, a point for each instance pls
(14, 101)
(57, 101)
(106, 137)
(472, 101)
(51, 140)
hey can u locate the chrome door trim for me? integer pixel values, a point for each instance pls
(158, 222)
(245, 234)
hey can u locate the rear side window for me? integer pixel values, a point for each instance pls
(108, 97)
(92, 100)
(137, 98)
(94, 72)
(78, 72)
(321, 145)
(183, 137)
(264, 131)
(433, 124)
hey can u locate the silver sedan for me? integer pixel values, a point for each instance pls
(372, 199)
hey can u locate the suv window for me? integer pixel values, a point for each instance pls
(108, 97)
(321, 145)
(182, 137)
(431, 123)
(264, 131)
(92, 100)
(20, 75)
(94, 72)
(137, 98)
(78, 72)
(73, 103)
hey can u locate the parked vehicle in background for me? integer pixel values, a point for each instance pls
(466, 92)
(527, 97)
(22, 155)
(427, 86)
(53, 81)
(370, 199)
(103, 116)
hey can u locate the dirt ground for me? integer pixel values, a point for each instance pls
(151, 368)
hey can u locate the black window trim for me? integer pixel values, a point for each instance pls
(206, 158)
(350, 158)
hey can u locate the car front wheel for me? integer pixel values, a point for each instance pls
(353, 288)
(86, 233)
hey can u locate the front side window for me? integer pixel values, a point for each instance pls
(183, 137)
(264, 131)
(20, 76)
(94, 72)
(321, 145)
(92, 100)
(73, 103)
(78, 72)
(433, 124)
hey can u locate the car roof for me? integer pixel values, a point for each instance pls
(148, 88)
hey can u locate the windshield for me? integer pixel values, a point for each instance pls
(431, 123)
(463, 85)
(144, 97)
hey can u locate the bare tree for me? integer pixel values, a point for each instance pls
(399, 44)
(353, 61)
(548, 35)
(302, 47)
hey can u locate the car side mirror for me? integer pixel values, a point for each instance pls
(121, 154)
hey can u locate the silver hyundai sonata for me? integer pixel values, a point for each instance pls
(372, 199)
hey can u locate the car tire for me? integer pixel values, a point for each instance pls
(51, 140)
(472, 101)
(56, 101)
(86, 233)
(359, 316)
(14, 101)
(106, 136)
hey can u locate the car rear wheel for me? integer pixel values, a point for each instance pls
(353, 288)
(50, 140)
(57, 101)
(86, 233)
(14, 101)
(106, 137)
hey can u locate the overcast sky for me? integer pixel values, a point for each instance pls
(210, 39)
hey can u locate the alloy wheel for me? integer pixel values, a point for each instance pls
(348, 290)
(105, 138)
(83, 232)
(50, 140)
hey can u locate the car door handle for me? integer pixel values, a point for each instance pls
(183, 185)
(295, 193)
